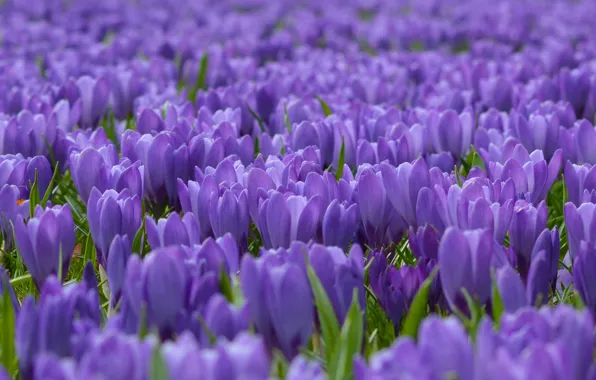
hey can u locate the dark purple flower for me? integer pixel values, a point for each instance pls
(173, 230)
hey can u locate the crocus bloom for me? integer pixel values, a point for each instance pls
(283, 220)
(173, 230)
(164, 280)
(583, 275)
(94, 95)
(580, 181)
(380, 222)
(436, 334)
(394, 288)
(224, 320)
(28, 134)
(163, 163)
(340, 223)
(403, 184)
(451, 132)
(228, 213)
(280, 301)
(110, 214)
(339, 275)
(46, 242)
(302, 368)
(580, 224)
(116, 356)
(527, 224)
(91, 168)
(464, 262)
(195, 197)
(118, 255)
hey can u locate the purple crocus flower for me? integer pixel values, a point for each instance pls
(583, 277)
(403, 184)
(67, 116)
(195, 198)
(173, 230)
(382, 225)
(118, 255)
(538, 132)
(340, 275)
(163, 164)
(71, 311)
(116, 356)
(511, 289)
(285, 219)
(497, 92)
(46, 242)
(91, 168)
(464, 262)
(451, 132)
(527, 223)
(340, 223)
(216, 255)
(394, 288)
(228, 213)
(580, 182)
(585, 138)
(280, 301)
(5, 286)
(224, 320)
(302, 368)
(580, 224)
(164, 280)
(94, 95)
(110, 214)
(28, 134)
(436, 334)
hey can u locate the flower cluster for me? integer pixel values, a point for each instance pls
(259, 189)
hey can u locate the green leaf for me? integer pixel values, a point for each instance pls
(21, 279)
(48, 193)
(201, 83)
(328, 320)
(143, 329)
(159, 369)
(257, 148)
(497, 302)
(287, 119)
(8, 355)
(137, 243)
(279, 367)
(349, 344)
(225, 285)
(341, 160)
(418, 308)
(60, 278)
(33, 196)
(257, 118)
(324, 106)
(476, 313)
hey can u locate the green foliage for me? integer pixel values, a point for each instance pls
(341, 160)
(324, 106)
(418, 308)
(8, 355)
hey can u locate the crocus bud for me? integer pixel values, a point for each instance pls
(91, 168)
(110, 214)
(464, 262)
(340, 223)
(228, 213)
(224, 320)
(580, 224)
(47, 242)
(173, 230)
(280, 301)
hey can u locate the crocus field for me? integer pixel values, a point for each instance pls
(316, 189)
